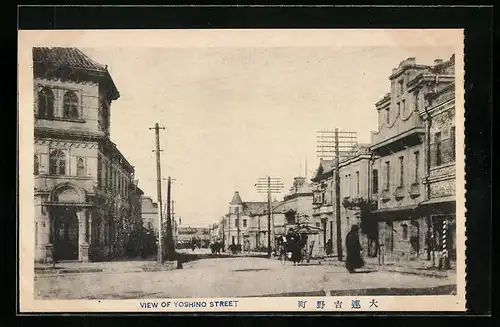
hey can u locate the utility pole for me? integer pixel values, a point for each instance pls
(169, 240)
(269, 185)
(158, 190)
(223, 233)
(173, 222)
(238, 225)
(334, 144)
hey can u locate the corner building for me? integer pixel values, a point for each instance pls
(87, 203)
(399, 169)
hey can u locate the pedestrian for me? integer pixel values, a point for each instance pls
(282, 247)
(295, 249)
(329, 247)
(353, 260)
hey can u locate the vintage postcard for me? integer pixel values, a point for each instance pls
(313, 170)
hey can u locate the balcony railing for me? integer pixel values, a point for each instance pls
(385, 195)
(414, 190)
(399, 128)
(399, 193)
(45, 183)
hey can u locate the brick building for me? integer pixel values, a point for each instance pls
(86, 201)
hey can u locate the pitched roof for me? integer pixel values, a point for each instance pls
(69, 57)
(325, 167)
(254, 208)
(56, 59)
(236, 198)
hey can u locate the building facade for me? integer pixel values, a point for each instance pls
(84, 187)
(237, 221)
(439, 180)
(399, 147)
(259, 223)
(323, 202)
(356, 198)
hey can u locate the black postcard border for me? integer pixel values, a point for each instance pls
(477, 22)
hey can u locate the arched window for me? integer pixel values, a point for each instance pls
(46, 103)
(36, 166)
(80, 167)
(70, 105)
(57, 163)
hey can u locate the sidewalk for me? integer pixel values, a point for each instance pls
(416, 267)
(106, 267)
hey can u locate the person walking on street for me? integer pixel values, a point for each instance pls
(329, 247)
(353, 260)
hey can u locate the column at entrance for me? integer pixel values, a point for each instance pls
(83, 245)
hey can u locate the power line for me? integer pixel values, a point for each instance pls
(269, 185)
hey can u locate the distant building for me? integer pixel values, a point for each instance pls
(149, 214)
(86, 202)
(237, 221)
(186, 234)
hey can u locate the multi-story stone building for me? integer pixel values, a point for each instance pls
(237, 221)
(400, 158)
(85, 196)
(323, 201)
(356, 198)
(439, 179)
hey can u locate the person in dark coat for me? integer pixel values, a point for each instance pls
(329, 247)
(353, 260)
(295, 249)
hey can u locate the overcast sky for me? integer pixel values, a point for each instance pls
(234, 114)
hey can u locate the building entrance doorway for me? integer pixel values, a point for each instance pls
(66, 234)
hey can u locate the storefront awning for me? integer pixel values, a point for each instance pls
(395, 209)
(440, 200)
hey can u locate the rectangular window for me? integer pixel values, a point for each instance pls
(399, 108)
(401, 171)
(375, 181)
(36, 233)
(417, 101)
(106, 175)
(403, 106)
(404, 232)
(387, 116)
(387, 174)
(401, 86)
(437, 145)
(244, 223)
(417, 166)
(357, 183)
(99, 171)
(452, 139)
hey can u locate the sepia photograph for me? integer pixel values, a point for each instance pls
(197, 170)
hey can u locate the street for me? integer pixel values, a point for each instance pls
(235, 277)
